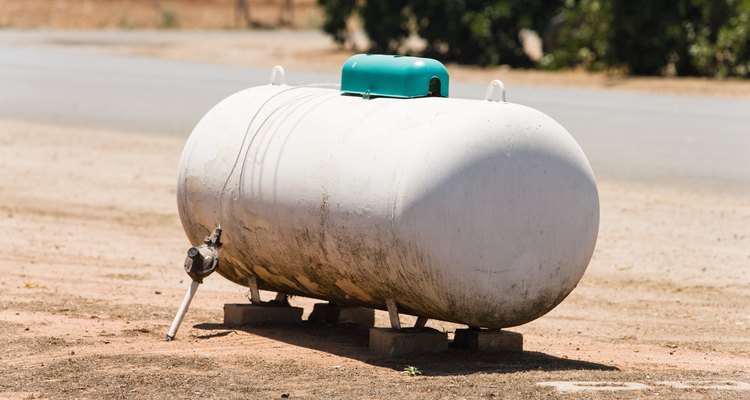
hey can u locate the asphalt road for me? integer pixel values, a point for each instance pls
(678, 139)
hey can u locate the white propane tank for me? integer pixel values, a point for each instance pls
(479, 212)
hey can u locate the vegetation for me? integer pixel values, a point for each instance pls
(412, 371)
(683, 37)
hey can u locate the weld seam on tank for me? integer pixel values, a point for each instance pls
(299, 102)
(247, 132)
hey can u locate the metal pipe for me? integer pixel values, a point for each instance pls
(199, 263)
(182, 310)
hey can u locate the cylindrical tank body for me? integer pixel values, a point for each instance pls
(476, 212)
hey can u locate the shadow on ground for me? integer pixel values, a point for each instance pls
(351, 341)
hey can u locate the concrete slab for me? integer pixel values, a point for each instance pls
(387, 342)
(334, 314)
(488, 340)
(252, 314)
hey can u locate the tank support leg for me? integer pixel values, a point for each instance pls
(395, 341)
(252, 283)
(281, 298)
(277, 311)
(393, 314)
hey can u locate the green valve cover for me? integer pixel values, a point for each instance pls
(394, 76)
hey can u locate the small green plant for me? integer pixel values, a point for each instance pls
(412, 371)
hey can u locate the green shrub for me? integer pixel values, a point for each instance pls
(479, 32)
(722, 45)
(685, 37)
(336, 13)
(578, 36)
(386, 23)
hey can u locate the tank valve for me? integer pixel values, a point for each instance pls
(200, 262)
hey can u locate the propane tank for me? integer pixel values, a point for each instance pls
(480, 212)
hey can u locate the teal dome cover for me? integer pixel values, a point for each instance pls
(394, 76)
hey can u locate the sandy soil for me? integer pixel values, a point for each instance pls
(92, 276)
(152, 14)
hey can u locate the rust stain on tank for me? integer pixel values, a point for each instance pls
(307, 283)
(352, 290)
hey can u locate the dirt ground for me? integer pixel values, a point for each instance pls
(93, 252)
(158, 14)
(92, 276)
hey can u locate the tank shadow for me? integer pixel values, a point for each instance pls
(351, 341)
